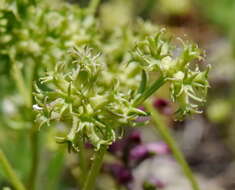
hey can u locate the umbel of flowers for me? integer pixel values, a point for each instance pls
(91, 96)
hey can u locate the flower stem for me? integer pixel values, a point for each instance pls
(166, 135)
(149, 91)
(95, 168)
(13, 178)
(35, 159)
(19, 80)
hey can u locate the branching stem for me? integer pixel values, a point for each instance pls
(149, 91)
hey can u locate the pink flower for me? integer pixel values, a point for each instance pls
(122, 174)
(159, 148)
(163, 106)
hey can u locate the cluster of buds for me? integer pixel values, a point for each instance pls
(78, 94)
(188, 85)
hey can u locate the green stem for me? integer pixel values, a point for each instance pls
(82, 162)
(147, 93)
(95, 168)
(166, 135)
(13, 178)
(35, 159)
(33, 135)
(93, 6)
(20, 83)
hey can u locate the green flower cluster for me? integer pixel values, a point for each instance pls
(188, 85)
(81, 94)
(97, 99)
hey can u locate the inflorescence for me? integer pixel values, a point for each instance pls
(96, 102)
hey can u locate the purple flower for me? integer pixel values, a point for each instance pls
(144, 151)
(117, 147)
(163, 106)
(123, 145)
(122, 174)
(159, 148)
(135, 137)
(139, 153)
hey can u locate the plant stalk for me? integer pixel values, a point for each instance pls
(149, 91)
(13, 178)
(95, 168)
(82, 162)
(167, 137)
(34, 139)
(20, 83)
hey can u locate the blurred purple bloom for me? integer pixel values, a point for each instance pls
(144, 151)
(163, 106)
(159, 148)
(139, 153)
(117, 147)
(120, 146)
(135, 137)
(120, 173)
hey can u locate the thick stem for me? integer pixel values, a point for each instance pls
(95, 168)
(147, 93)
(93, 6)
(166, 135)
(34, 139)
(13, 178)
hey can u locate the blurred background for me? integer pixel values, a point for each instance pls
(207, 140)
